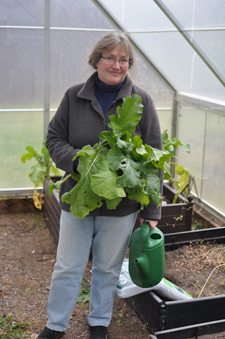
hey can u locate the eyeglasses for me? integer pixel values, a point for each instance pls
(111, 60)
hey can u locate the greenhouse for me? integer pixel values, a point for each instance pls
(179, 47)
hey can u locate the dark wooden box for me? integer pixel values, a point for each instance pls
(51, 209)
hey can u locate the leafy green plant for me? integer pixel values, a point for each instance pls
(84, 294)
(171, 145)
(196, 226)
(12, 329)
(121, 165)
(118, 166)
(40, 170)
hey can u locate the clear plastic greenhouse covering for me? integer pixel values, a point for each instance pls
(179, 46)
(184, 40)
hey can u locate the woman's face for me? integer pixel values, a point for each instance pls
(113, 74)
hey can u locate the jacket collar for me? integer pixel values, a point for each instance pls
(87, 90)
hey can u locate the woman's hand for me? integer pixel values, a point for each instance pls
(152, 223)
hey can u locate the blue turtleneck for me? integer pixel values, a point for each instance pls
(106, 94)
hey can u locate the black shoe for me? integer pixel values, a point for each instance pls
(50, 334)
(99, 332)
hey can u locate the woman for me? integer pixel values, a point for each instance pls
(82, 115)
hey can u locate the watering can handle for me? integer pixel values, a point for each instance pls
(144, 234)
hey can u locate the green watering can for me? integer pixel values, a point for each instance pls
(147, 256)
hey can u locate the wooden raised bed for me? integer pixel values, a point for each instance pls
(17, 204)
(184, 318)
(51, 209)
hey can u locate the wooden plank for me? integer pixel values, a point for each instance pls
(52, 211)
(166, 229)
(194, 311)
(15, 205)
(150, 309)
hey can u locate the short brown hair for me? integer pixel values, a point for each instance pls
(108, 42)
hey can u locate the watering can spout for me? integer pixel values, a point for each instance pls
(142, 266)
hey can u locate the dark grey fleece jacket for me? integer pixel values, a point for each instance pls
(78, 122)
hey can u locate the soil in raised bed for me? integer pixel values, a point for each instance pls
(198, 268)
(27, 257)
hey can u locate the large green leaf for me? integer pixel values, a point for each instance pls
(153, 187)
(139, 195)
(115, 156)
(151, 181)
(37, 174)
(139, 150)
(154, 154)
(88, 159)
(104, 183)
(108, 136)
(113, 203)
(82, 199)
(167, 171)
(130, 176)
(31, 153)
(27, 156)
(131, 173)
(128, 116)
(126, 145)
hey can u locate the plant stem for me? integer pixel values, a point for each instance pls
(63, 180)
(209, 277)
